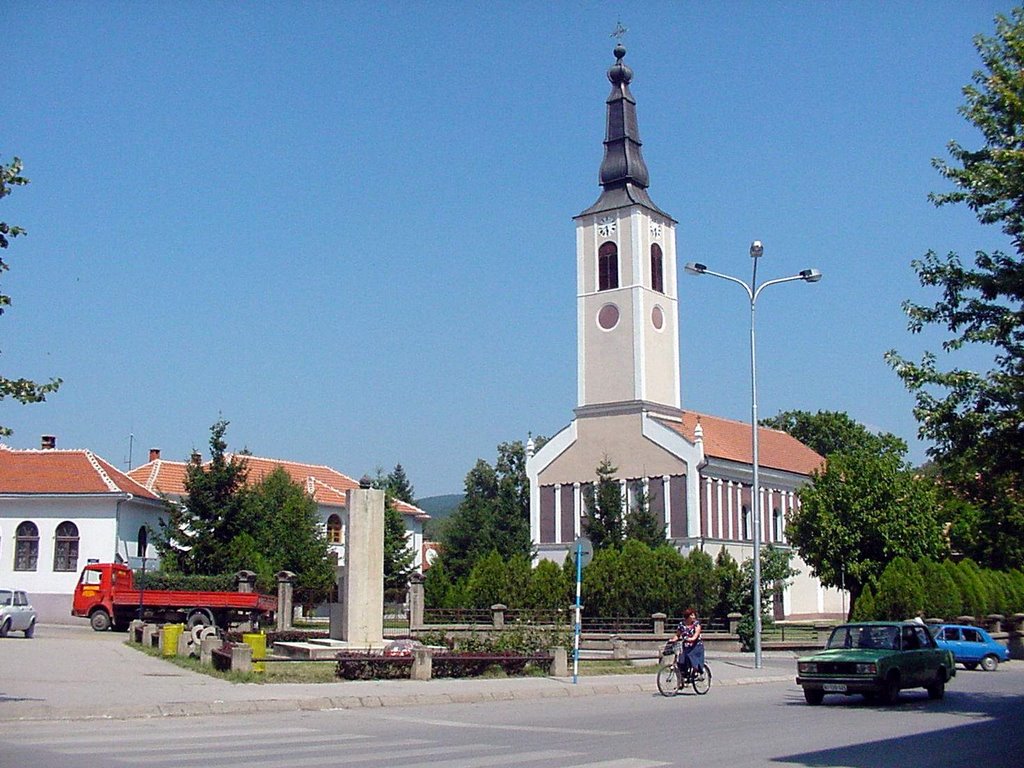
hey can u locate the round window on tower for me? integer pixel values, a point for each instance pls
(657, 318)
(608, 316)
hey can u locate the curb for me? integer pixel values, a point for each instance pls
(374, 701)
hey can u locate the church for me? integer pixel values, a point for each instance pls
(693, 469)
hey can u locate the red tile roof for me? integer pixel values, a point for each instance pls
(731, 440)
(327, 486)
(64, 472)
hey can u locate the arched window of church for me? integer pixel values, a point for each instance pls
(745, 514)
(65, 547)
(334, 530)
(607, 267)
(26, 547)
(777, 524)
(657, 269)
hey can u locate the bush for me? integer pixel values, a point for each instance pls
(864, 608)
(224, 582)
(900, 593)
(942, 597)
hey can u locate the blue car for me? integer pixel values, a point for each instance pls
(971, 646)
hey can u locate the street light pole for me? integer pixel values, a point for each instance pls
(753, 290)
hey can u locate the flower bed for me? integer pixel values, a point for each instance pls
(377, 666)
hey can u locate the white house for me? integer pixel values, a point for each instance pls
(61, 509)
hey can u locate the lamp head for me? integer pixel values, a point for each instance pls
(695, 269)
(810, 275)
(756, 249)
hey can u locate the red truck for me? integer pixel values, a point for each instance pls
(107, 596)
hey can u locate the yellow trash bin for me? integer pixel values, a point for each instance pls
(258, 642)
(171, 634)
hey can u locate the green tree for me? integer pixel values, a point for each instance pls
(603, 502)
(729, 585)
(510, 517)
(941, 594)
(859, 513)
(865, 608)
(549, 589)
(900, 593)
(644, 525)
(398, 485)
(830, 432)
(286, 525)
(700, 582)
(973, 418)
(488, 581)
(23, 390)
(399, 557)
(195, 537)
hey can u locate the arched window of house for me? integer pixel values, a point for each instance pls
(65, 547)
(143, 541)
(334, 530)
(657, 269)
(607, 267)
(26, 547)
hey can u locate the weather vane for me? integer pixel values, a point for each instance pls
(620, 31)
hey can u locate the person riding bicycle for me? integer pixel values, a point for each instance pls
(688, 633)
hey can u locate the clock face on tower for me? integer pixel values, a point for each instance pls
(606, 226)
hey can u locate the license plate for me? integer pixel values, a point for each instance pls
(834, 687)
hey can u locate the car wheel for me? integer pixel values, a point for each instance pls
(937, 689)
(989, 663)
(30, 630)
(814, 696)
(99, 620)
(5, 628)
(970, 665)
(891, 692)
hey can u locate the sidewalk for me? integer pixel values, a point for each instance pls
(69, 673)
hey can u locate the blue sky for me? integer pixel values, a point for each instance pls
(346, 227)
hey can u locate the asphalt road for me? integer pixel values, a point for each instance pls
(978, 723)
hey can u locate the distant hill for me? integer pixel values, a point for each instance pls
(440, 507)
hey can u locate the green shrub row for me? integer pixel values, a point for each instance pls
(224, 582)
(943, 590)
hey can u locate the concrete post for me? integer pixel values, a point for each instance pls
(149, 632)
(1015, 636)
(135, 630)
(734, 623)
(285, 586)
(417, 601)
(358, 618)
(969, 620)
(185, 643)
(246, 581)
(422, 664)
(498, 615)
(620, 648)
(559, 662)
(241, 657)
(994, 622)
(659, 623)
(206, 649)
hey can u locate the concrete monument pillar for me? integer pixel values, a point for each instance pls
(285, 588)
(358, 617)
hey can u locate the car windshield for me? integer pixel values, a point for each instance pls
(884, 636)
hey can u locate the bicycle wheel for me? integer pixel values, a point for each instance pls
(702, 682)
(668, 680)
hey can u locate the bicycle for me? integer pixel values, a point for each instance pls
(671, 682)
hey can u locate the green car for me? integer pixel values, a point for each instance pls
(877, 659)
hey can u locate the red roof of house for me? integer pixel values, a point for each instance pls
(731, 440)
(327, 486)
(64, 472)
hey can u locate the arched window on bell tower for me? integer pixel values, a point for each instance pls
(657, 269)
(607, 267)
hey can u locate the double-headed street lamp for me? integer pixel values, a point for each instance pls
(753, 291)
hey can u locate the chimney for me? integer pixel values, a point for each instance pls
(154, 454)
(48, 442)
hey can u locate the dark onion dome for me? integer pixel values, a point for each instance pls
(623, 172)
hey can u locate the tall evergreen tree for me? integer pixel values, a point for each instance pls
(198, 530)
(399, 487)
(603, 502)
(974, 419)
(642, 524)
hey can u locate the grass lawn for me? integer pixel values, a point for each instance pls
(323, 671)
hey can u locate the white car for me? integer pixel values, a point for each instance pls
(16, 613)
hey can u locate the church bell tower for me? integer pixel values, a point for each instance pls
(627, 305)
